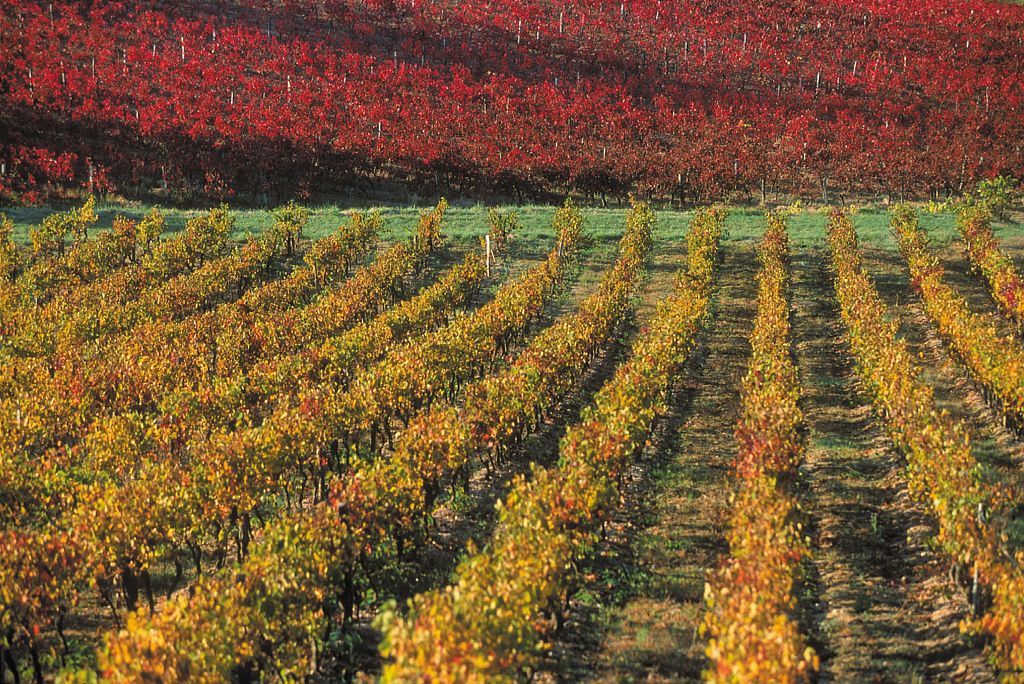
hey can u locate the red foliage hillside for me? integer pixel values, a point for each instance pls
(693, 99)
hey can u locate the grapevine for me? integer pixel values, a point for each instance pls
(749, 619)
(971, 512)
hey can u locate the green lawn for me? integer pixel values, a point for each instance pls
(467, 223)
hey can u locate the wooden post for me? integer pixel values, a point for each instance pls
(487, 244)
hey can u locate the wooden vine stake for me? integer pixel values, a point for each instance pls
(487, 247)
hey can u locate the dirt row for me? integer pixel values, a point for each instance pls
(882, 607)
(637, 617)
(876, 601)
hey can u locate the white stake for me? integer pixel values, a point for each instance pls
(487, 241)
